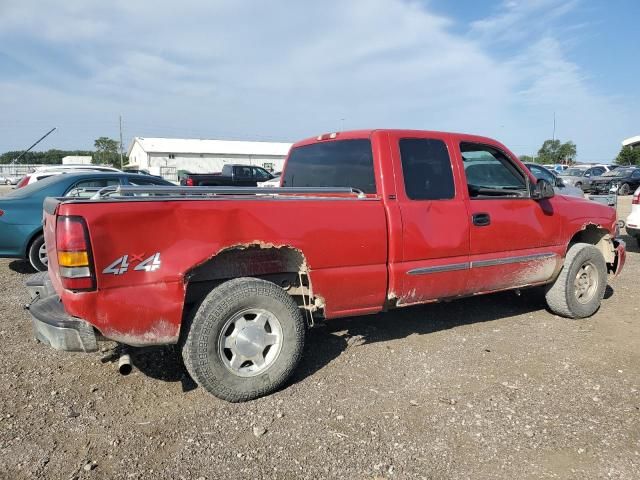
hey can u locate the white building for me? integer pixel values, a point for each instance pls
(76, 160)
(165, 156)
(633, 142)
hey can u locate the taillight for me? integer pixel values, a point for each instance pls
(636, 197)
(23, 182)
(75, 261)
(189, 182)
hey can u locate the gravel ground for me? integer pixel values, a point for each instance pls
(487, 387)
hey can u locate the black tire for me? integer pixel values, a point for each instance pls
(624, 189)
(579, 185)
(562, 295)
(33, 254)
(202, 352)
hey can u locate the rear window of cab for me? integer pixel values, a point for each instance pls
(339, 163)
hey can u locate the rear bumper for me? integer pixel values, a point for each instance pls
(52, 325)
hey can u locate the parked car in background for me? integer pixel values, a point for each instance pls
(46, 172)
(584, 181)
(623, 180)
(10, 179)
(633, 220)
(574, 175)
(559, 185)
(273, 183)
(21, 210)
(231, 176)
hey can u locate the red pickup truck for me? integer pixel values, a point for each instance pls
(365, 221)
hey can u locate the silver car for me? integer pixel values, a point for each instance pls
(10, 179)
(583, 179)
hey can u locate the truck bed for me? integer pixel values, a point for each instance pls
(138, 307)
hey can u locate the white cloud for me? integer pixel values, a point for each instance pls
(286, 70)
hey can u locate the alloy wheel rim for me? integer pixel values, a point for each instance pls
(42, 254)
(586, 283)
(250, 342)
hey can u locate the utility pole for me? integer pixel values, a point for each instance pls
(554, 126)
(120, 142)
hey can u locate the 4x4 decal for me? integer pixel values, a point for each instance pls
(121, 265)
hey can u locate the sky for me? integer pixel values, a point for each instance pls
(283, 70)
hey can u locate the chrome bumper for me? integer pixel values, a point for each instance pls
(52, 325)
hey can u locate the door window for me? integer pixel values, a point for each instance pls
(260, 175)
(243, 172)
(143, 182)
(490, 173)
(426, 168)
(88, 188)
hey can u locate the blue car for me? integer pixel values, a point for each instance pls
(21, 210)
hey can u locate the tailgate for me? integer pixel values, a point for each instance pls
(49, 221)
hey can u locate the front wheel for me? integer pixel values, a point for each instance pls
(245, 340)
(579, 288)
(37, 254)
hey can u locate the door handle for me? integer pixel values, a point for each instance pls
(481, 219)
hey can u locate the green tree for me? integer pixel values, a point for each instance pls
(106, 151)
(527, 159)
(628, 156)
(554, 151)
(50, 157)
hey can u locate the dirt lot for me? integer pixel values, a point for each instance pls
(489, 387)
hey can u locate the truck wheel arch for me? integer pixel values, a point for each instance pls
(599, 237)
(284, 265)
(30, 239)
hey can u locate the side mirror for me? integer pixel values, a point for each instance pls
(541, 190)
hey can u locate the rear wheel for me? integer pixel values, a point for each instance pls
(38, 254)
(579, 289)
(579, 184)
(245, 340)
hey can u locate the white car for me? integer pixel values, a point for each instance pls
(273, 183)
(633, 220)
(44, 172)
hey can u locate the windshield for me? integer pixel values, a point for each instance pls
(34, 188)
(573, 172)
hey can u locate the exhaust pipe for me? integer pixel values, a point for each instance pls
(124, 364)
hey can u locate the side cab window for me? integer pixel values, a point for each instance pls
(260, 175)
(426, 168)
(243, 172)
(490, 173)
